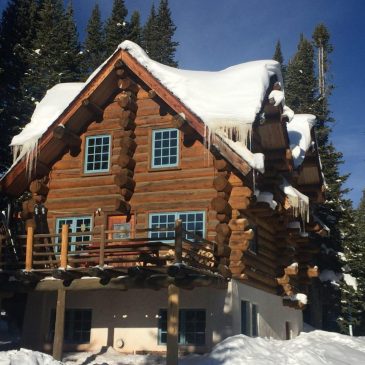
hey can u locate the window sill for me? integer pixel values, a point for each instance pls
(88, 174)
(157, 169)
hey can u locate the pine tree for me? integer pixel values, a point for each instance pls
(150, 34)
(94, 53)
(116, 27)
(16, 33)
(166, 30)
(158, 35)
(303, 96)
(55, 55)
(135, 29)
(278, 56)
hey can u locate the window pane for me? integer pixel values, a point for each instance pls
(165, 143)
(97, 153)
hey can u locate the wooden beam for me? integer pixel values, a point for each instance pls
(172, 325)
(178, 241)
(94, 109)
(59, 325)
(64, 246)
(29, 250)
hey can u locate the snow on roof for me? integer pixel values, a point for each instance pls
(298, 201)
(56, 100)
(226, 100)
(299, 131)
(266, 197)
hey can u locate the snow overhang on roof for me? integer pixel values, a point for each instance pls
(225, 101)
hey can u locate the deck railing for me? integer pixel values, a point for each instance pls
(104, 249)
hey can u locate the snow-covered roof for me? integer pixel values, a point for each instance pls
(299, 131)
(56, 100)
(226, 100)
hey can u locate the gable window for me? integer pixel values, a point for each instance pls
(165, 148)
(77, 325)
(191, 327)
(75, 224)
(249, 318)
(191, 221)
(97, 154)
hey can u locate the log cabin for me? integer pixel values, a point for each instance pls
(162, 206)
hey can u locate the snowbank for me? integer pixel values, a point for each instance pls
(312, 348)
(26, 357)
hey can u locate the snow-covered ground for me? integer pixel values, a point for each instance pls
(313, 348)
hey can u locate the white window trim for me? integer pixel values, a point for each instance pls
(73, 230)
(249, 318)
(177, 149)
(150, 215)
(86, 171)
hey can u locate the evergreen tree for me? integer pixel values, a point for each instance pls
(94, 53)
(116, 27)
(55, 55)
(158, 35)
(278, 56)
(150, 34)
(16, 33)
(166, 30)
(303, 96)
(135, 30)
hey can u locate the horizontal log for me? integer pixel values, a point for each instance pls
(240, 203)
(123, 180)
(313, 272)
(291, 270)
(122, 206)
(221, 183)
(221, 165)
(223, 228)
(128, 85)
(257, 275)
(222, 250)
(235, 255)
(223, 218)
(127, 102)
(221, 205)
(95, 109)
(238, 224)
(65, 135)
(38, 187)
(224, 271)
(241, 245)
(127, 194)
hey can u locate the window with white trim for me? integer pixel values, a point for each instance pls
(192, 323)
(249, 318)
(75, 224)
(165, 148)
(97, 153)
(192, 221)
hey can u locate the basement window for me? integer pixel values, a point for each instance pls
(165, 148)
(77, 326)
(97, 154)
(192, 221)
(192, 323)
(249, 318)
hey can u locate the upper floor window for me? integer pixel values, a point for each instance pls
(97, 153)
(165, 148)
(192, 221)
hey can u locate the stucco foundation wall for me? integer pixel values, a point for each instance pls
(272, 314)
(130, 316)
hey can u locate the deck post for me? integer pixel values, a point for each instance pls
(178, 241)
(29, 250)
(172, 354)
(59, 324)
(102, 246)
(64, 246)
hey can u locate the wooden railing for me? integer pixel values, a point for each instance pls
(84, 250)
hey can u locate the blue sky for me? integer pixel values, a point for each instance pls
(215, 34)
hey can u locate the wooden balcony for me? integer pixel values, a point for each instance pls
(184, 259)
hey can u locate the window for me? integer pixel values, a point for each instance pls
(75, 224)
(192, 222)
(249, 319)
(97, 154)
(77, 325)
(191, 327)
(165, 148)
